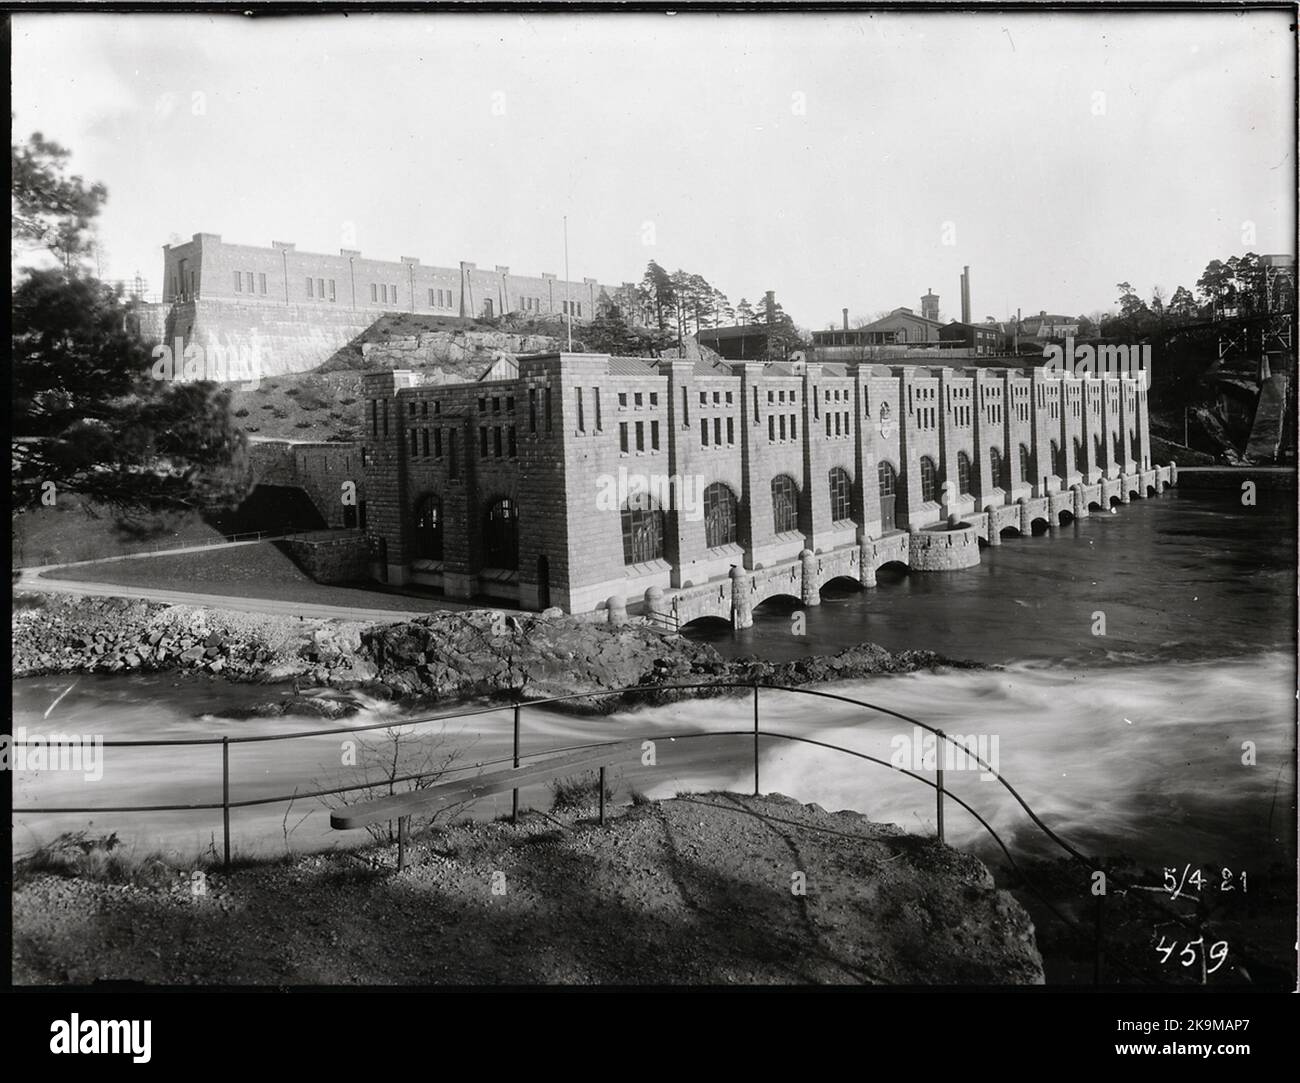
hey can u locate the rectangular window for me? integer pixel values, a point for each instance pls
(622, 398)
(394, 290)
(654, 398)
(496, 404)
(654, 435)
(731, 431)
(828, 424)
(431, 304)
(425, 442)
(729, 399)
(320, 288)
(415, 436)
(704, 398)
(771, 428)
(514, 443)
(482, 441)
(622, 436)
(595, 394)
(261, 283)
(686, 409)
(239, 283)
(424, 408)
(496, 441)
(374, 417)
(717, 430)
(451, 454)
(640, 436)
(755, 406)
(717, 398)
(548, 409)
(532, 409)
(582, 420)
(374, 293)
(783, 426)
(482, 405)
(437, 443)
(637, 399)
(704, 432)
(309, 287)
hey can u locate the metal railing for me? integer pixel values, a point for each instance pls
(668, 621)
(651, 692)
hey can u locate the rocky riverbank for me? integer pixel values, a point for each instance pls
(703, 889)
(445, 656)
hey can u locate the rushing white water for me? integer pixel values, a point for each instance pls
(1143, 759)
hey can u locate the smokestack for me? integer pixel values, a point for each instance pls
(770, 303)
(846, 318)
(965, 294)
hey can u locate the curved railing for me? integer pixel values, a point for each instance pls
(661, 691)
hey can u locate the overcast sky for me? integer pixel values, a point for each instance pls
(827, 157)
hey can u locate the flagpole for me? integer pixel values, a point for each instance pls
(568, 301)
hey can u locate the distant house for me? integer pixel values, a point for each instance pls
(983, 338)
(900, 327)
(1045, 326)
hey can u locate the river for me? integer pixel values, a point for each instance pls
(1129, 741)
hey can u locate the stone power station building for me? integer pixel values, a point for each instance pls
(669, 488)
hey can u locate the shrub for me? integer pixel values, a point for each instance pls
(579, 791)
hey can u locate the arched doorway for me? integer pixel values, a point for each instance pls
(501, 536)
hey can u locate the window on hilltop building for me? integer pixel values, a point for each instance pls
(720, 515)
(841, 491)
(239, 283)
(261, 283)
(309, 287)
(785, 504)
(248, 281)
(929, 479)
(374, 293)
(333, 296)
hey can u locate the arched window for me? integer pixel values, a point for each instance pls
(1099, 449)
(785, 504)
(1026, 466)
(643, 531)
(963, 473)
(1136, 454)
(1080, 456)
(428, 529)
(841, 495)
(996, 472)
(501, 535)
(719, 516)
(888, 478)
(929, 479)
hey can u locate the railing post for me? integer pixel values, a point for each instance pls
(401, 842)
(602, 795)
(514, 806)
(225, 801)
(755, 738)
(939, 751)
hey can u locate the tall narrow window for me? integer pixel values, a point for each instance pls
(785, 504)
(643, 530)
(428, 529)
(239, 283)
(963, 473)
(310, 286)
(654, 436)
(640, 436)
(720, 515)
(261, 283)
(501, 535)
(532, 409)
(622, 436)
(996, 473)
(929, 479)
(582, 422)
(841, 492)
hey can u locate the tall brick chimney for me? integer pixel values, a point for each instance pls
(769, 302)
(846, 318)
(965, 294)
